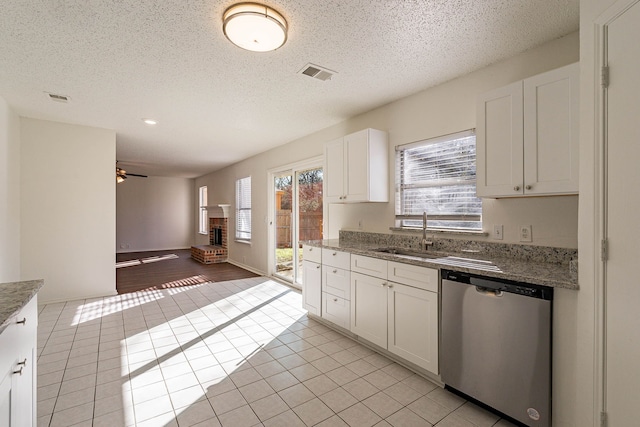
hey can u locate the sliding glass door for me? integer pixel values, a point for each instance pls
(297, 216)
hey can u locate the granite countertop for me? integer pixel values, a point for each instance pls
(14, 296)
(538, 273)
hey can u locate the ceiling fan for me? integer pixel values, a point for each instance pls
(122, 174)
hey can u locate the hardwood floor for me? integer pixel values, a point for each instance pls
(170, 272)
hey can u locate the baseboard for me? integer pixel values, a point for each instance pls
(59, 300)
(246, 267)
(129, 251)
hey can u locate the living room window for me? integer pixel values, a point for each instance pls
(243, 209)
(438, 176)
(203, 227)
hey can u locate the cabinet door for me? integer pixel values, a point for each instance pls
(334, 181)
(499, 137)
(413, 325)
(25, 390)
(311, 288)
(7, 398)
(369, 308)
(357, 166)
(551, 132)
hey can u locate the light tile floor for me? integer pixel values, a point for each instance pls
(237, 353)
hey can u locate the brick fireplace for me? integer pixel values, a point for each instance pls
(217, 250)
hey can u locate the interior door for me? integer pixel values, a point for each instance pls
(622, 291)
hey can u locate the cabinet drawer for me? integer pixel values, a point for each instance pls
(336, 310)
(370, 266)
(311, 253)
(412, 275)
(336, 281)
(336, 258)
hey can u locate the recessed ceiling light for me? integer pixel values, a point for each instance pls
(150, 122)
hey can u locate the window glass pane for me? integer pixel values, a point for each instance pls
(438, 176)
(243, 209)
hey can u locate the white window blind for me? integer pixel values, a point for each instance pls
(243, 209)
(204, 217)
(438, 176)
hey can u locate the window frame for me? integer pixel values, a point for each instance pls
(464, 222)
(241, 208)
(203, 217)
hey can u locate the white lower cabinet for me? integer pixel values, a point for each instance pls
(413, 325)
(18, 369)
(336, 287)
(312, 287)
(400, 317)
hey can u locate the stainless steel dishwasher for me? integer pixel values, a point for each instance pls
(496, 344)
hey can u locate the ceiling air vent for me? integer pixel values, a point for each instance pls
(58, 98)
(317, 72)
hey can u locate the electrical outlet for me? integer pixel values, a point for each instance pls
(497, 231)
(525, 233)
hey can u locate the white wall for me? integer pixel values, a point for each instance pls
(154, 214)
(68, 209)
(9, 194)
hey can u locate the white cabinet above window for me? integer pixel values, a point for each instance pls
(357, 168)
(527, 136)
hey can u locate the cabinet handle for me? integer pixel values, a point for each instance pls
(528, 187)
(335, 271)
(335, 300)
(19, 371)
(24, 362)
(22, 322)
(310, 249)
(317, 266)
(384, 284)
(334, 254)
(516, 188)
(390, 286)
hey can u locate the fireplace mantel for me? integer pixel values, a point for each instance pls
(218, 211)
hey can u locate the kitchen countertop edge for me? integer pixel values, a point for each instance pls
(544, 274)
(14, 296)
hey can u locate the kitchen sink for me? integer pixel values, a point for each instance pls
(406, 253)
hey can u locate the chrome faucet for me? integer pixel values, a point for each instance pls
(424, 245)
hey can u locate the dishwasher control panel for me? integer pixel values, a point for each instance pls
(498, 284)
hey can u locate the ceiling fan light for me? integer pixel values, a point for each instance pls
(254, 27)
(120, 178)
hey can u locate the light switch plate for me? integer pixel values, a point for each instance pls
(525, 233)
(497, 231)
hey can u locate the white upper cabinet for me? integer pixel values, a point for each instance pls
(527, 136)
(357, 168)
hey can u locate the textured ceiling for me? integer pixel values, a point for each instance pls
(216, 104)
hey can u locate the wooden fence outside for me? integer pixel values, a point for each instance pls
(310, 227)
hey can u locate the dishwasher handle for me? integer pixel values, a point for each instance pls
(489, 292)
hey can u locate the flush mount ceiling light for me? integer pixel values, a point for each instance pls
(150, 122)
(254, 27)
